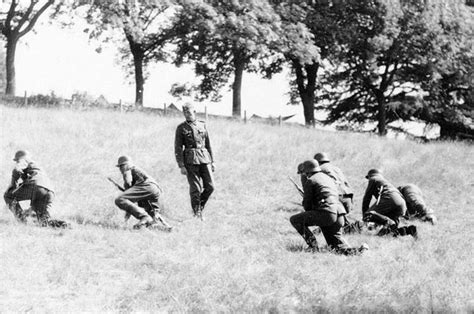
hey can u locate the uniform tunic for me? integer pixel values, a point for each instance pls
(193, 151)
(390, 202)
(345, 190)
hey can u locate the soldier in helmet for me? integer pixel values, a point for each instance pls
(195, 159)
(388, 208)
(345, 191)
(322, 208)
(416, 206)
(141, 193)
(30, 182)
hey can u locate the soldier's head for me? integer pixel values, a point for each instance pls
(189, 112)
(22, 158)
(124, 163)
(373, 172)
(310, 167)
(322, 158)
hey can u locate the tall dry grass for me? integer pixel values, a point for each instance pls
(245, 256)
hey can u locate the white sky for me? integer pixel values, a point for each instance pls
(64, 61)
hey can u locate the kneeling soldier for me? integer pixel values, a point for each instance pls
(416, 206)
(388, 208)
(30, 182)
(322, 208)
(141, 193)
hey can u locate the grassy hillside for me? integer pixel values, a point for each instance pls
(245, 256)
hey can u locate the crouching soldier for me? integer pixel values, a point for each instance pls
(416, 206)
(30, 182)
(140, 196)
(322, 208)
(388, 208)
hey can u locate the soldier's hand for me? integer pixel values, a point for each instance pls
(213, 167)
(184, 171)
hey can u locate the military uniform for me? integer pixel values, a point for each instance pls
(390, 204)
(322, 208)
(416, 206)
(193, 151)
(345, 191)
(30, 183)
(141, 196)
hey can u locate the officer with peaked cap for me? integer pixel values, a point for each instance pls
(30, 182)
(194, 156)
(388, 208)
(141, 196)
(322, 208)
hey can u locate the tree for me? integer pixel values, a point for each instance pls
(226, 38)
(14, 24)
(147, 27)
(447, 78)
(2, 73)
(382, 48)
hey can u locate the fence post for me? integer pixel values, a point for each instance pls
(205, 113)
(280, 121)
(25, 99)
(120, 105)
(245, 116)
(314, 123)
(164, 109)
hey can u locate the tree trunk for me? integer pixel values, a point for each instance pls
(10, 66)
(382, 113)
(138, 54)
(239, 66)
(306, 83)
(139, 79)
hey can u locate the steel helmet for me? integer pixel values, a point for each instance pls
(300, 168)
(21, 154)
(123, 160)
(311, 166)
(322, 157)
(373, 172)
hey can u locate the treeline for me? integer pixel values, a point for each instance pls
(367, 61)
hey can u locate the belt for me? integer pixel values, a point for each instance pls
(194, 148)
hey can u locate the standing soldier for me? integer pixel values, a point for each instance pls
(140, 196)
(194, 156)
(322, 208)
(388, 208)
(30, 182)
(416, 206)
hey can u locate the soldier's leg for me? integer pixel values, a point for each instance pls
(205, 172)
(195, 187)
(335, 240)
(41, 203)
(347, 203)
(12, 198)
(301, 222)
(128, 200)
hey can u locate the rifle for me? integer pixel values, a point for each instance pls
(300, 190)
(116, 184)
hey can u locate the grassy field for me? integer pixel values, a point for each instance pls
(245, 256)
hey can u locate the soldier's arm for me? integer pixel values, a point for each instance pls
(368, 195)
(16, 177)
(178, 147)
(307, 196)
(208, 145)
(127, 179)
